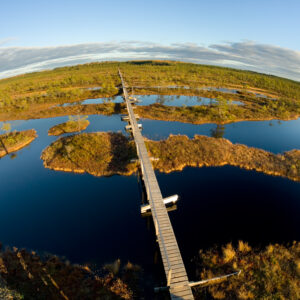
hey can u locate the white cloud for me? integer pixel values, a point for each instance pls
(246, 55)
(7, 40)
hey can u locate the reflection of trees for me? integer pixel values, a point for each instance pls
(199, 99)
(13, 156)
(161, 99)
(218, 132)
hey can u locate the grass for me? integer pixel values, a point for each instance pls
(198, 114)
(105, 154)
(25, 275)
(35, 95)
(68, 127)
(14, 141)
(58, 111)
(179, 151)
(270, 273)
(100, 154)
(222, 113)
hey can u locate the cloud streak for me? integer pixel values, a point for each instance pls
(245, 55)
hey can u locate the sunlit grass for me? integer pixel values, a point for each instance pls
(270, 273)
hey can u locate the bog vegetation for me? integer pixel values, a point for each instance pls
(75, 124)
(37, 94)
(104, 154)
(14, 141)
(100, 154)
(270, 273)
(26, 275)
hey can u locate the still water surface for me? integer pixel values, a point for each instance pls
(151, 99)
(97, 220)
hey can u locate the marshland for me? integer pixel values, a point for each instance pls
(225, 140)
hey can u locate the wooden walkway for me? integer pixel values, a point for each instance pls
(177, 280)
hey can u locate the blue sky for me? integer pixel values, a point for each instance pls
(45, 24)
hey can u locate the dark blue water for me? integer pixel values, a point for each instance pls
(79, 216)
(97, 220)
(223, 204)
(274, 136)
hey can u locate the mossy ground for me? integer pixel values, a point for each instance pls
(100, 154)
(68, 127)
(270, 273)
(105, 154)
(14, 141)
(179, 151)
(25, 275)
(37, 95)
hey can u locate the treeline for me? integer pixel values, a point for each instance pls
(103, 75)
(148, 73)
(222, 112)
(52, 96)
(194, 75)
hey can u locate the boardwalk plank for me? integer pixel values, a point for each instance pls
(170, 253)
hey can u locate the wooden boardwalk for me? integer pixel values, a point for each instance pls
(177, 280)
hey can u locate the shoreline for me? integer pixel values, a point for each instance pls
(201, 151)
(109, 109)
(30, 136)
(68, 127)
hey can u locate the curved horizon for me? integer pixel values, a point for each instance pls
(247, 55)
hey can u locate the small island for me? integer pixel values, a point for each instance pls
(68, 127)
(106, 154)
(220, 113)
(14, 141)
(100, 154)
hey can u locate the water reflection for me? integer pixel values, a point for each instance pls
(279, 137)
(116, 99)
(175, 100)
(211, 89)
(170, 100)
(218, 131)
(13, 156)
(97, 220)
(223, 90)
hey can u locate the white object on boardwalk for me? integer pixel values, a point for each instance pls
(169, 200)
